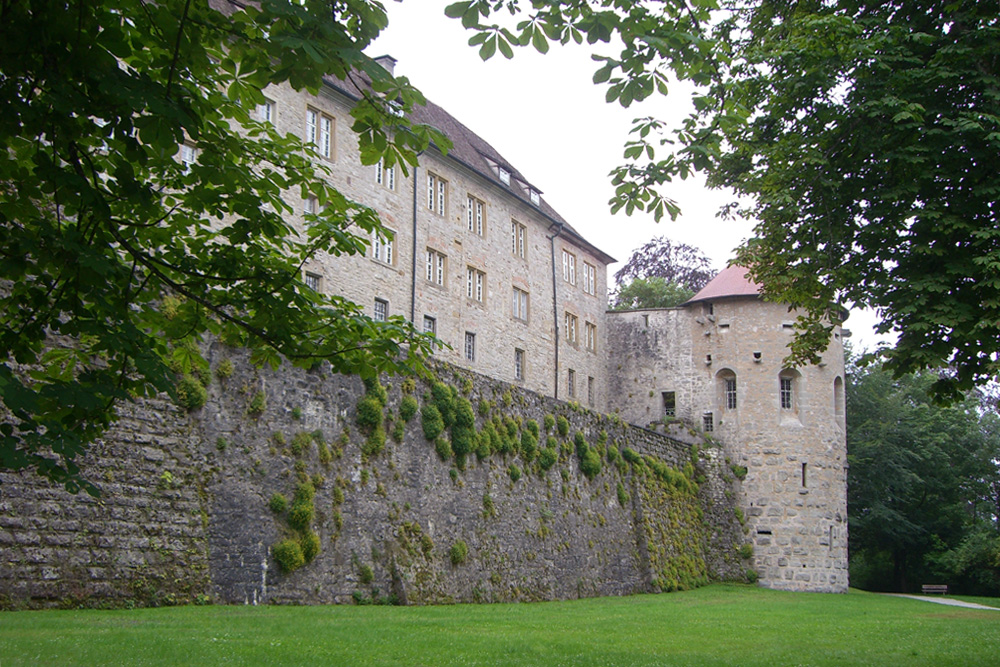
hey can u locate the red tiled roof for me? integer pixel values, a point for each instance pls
(731, 281)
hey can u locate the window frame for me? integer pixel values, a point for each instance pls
(476, 215)
(385, 176)
(435, 268)
(383, 250)
(381, 314)
(519, 304)
(320, 132)
(470, 346)
(432, 321)
(590, 333)
(519, 359)
(437, 194)
(518, 234)
(571, 329)
(589, 278)
(475, 285)
(569, 267)
(313, 281)
(570, 383)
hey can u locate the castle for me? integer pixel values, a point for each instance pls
(482, 261)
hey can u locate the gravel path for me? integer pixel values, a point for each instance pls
(951, 602)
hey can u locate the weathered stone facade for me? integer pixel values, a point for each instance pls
(186, 513)
(722, 358)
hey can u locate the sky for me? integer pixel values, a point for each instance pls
(545, 115)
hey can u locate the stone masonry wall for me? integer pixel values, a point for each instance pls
(185, 512)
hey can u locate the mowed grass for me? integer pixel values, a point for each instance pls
(716, 625)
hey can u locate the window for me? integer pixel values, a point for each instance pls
(475, 280)
(589, 278)
(312, 281)
(536, 197)
(838, 399)
(310, 205)
(569, 267)
(590, 391)
(727, 389)
(382, 247)
(517, 233)
(707, 422)
(189, 155)
(519, 364)
(570, 328)
(385, 175)
(591, 330)
(504, 175)
(381, 309)
(669, 404)
(435, 267)
(476, 214)
(571, 383)
(470, 346)
(803, 475)
(265, 111)
(519, 305)
(430, 325)
(788, 389)
(785, 392)
(437, 189)
(319, 132)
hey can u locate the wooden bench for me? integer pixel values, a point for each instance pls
(935, 588)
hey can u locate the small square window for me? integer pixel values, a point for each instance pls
(707, 422)
(669, 404)
(313, 281)
(504, 175)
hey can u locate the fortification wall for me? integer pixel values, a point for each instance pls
(185, 513)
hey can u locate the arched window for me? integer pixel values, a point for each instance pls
(727, 389)
(838, 398)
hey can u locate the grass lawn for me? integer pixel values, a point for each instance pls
(716, 625)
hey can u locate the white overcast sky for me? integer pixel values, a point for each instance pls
(544, 114)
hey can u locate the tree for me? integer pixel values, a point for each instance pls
(655, 292)
(677, 263)
(918, 498)
(863, 132)
(142, 205)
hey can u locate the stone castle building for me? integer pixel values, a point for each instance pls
(480, 259)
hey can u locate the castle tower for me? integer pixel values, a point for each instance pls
(717, 364)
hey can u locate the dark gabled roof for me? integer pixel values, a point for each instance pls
(731, 281)
(472, 151)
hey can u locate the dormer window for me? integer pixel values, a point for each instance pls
(504, 175)
(536, 198)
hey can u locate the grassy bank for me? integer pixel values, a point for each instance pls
(722, 624)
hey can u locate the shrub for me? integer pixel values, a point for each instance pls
(296, 413)
(580, 444)
(310, 546)
(751, 576)
(631, 456)
(191, 394)
(278, 503)
(590, 464)
(746, 551)
(443, 448)
(459, 552)
(562, 426)
(532, 426)
(408, 407)
(375, 389)
(612, 454)
(739, 471)
(369, 413)
(288, 555)
(300, 442)
(338, 495)
(398, 431)
(444, 399)
(551, 442)
(300, 516)
(375, 442)
(623, 496)
(325, 457)
(224, 370)
(489, 509)
(529, 446)
(550, 423)
(547, 457)
(366, 574)
(514, 472)
(485, 446)
(409, 384)
(257, 404)
(464, 415)
(426, 544)
(484, 408)
(432, 422)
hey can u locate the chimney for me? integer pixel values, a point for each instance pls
(387, 62)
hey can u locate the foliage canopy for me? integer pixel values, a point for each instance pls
(864, 133)
(143, 204)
